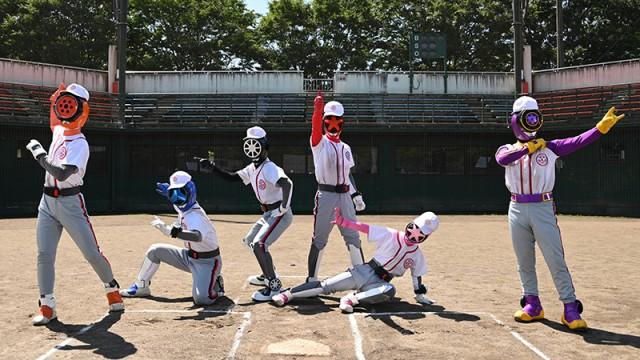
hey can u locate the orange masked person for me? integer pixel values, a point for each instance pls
(62, 205)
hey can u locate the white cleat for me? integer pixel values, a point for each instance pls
(265, 294)
(282, 298)
(258, 280)
(135, 291)
(45, 316)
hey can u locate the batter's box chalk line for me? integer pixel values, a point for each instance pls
(357, 338)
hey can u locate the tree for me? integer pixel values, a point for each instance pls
(289, 35)
(191, 35)
(70, 32)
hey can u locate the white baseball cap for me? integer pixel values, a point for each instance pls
(525, 103)
(255, 132)
(333, 108)
(178, 179)
(427, 222)
(78, 90)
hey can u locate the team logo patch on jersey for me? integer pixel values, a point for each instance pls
(542, 159)
(62, 152)
(408, 263)
(262, 184)
(348, 155)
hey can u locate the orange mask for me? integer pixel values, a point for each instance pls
(68, 110)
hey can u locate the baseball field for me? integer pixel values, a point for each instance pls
(472, 277)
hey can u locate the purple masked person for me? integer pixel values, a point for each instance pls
(530, 176)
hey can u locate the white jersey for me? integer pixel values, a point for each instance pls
(332, 161)
(67, 150)
(394, 254)
(196, 219)
(531, 174)
(263, 180)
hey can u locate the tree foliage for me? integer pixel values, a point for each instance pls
(318, 37)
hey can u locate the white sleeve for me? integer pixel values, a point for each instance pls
(349, 155)
(420, 267)
(245, 174)
(320, 144)
(77, 154)
(379, 233)
(272, 173)
(195, 222)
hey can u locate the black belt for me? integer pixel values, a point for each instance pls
(55, 192)
(269, 207)
(340, 189)
(203, 254)
(380, 270)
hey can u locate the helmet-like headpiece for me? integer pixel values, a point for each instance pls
(526, 118)
(71, 106)
(333, 120)
(421, 227)
(255, 144)
(182, 190)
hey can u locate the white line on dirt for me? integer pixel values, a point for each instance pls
(238, 336)
(519, 337)
(357, 339)
(514, 333)
(71, 338)
(228, 311)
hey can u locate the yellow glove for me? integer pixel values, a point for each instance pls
(535, 145)
(609, 119)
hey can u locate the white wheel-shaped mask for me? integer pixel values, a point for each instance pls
(252, 148)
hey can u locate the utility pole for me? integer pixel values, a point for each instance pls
(517, 41)
(123, 10)
(559, 29)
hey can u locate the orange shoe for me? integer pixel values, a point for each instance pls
(115, 301)
(45, 315)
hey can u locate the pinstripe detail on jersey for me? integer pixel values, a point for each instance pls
(402, 258)
(398, 251)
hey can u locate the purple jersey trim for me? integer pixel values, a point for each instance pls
(563, 147)
(504, 156)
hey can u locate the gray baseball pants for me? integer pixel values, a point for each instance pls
(204, 272)
(70, 213)
(536, 222)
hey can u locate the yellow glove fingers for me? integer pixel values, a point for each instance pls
(619, 117)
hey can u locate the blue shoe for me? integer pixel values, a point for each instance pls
(135, 291)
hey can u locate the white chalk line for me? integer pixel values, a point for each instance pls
(70, 338)
(518, 336)
(238, 337)
(513, 332)
(357, 338)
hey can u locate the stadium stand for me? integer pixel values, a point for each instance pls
(31, 103)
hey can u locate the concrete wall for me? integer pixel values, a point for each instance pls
(605, 74)
(223, 82)
(424, 83)
(22, 72)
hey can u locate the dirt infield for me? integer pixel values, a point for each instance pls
(472, 276)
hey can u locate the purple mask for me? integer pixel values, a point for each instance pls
(525, 124)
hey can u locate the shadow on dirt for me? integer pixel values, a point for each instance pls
(385, 312)
(99, 339)
(597, 336)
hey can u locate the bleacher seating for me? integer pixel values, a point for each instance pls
(30, 103)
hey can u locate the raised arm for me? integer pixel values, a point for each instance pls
(346, 223)
(207, 166)
(316, 119)
(562, 147)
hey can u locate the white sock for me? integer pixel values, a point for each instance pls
(147, 270)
